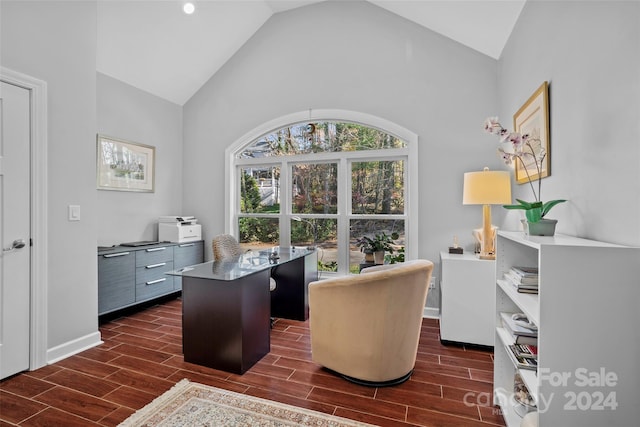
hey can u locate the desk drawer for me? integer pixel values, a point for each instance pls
(186, 254)
(116, 288)
(151, 280)
(154, 255)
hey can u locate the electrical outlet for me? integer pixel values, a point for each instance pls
(432, 284)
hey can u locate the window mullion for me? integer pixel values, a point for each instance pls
(344, 212)
(285, 203)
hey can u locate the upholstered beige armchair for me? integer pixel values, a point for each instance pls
(366, 327)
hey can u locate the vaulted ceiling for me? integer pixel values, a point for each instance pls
(154, 46)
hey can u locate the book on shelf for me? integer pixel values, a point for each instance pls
(521, 280)
(528, 287)
(520, 339)
(526, 350)
(515, 328)
(521, 362)
(531, 272)
(520, 334)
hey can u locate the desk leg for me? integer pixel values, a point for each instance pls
(290, 299)
(225, 324)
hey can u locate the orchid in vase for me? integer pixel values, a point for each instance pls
(522, 149)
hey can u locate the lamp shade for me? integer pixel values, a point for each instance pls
(487, 188)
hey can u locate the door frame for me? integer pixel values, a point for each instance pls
(39, 235)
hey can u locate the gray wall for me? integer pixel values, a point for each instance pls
(345, 56)
(56, 42)
(125, 112)
(351, 56)
(590, 54)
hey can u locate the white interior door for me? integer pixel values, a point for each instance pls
(15, 233)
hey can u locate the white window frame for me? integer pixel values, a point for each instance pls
(344, 160)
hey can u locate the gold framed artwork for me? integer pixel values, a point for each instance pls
(533, 119)
(124, 165)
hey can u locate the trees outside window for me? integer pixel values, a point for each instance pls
(322, 184)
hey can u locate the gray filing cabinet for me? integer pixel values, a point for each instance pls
(131, 275)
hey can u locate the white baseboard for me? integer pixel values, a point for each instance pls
(76, 346)
(431, 313)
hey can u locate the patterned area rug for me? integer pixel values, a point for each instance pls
(193, 404)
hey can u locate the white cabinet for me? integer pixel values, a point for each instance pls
(588, 317)
(467, 287)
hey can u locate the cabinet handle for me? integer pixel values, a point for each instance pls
(156, 265)
(153, 282)
(115, 255)
(155, 249)
(187, 245)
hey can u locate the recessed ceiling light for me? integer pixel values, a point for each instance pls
(188, 8)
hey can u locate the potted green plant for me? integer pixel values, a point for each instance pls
(521, 148)
(366, 247)
(394, 258)
(377, 245)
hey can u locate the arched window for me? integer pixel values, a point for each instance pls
(308, 179)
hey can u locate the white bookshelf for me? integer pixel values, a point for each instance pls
(588, 317)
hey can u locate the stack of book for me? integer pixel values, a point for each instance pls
(519, 333)
(525, 279)
(525, 356)
(524, 351)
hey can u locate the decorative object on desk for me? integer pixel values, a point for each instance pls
(190, 403)
(124, 165)
(487, 188)
(377, 245)
(527, 149)
(226, 246)
(455, 249)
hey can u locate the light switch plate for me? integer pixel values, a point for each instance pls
(74, 212)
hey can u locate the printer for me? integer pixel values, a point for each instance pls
(179, 229)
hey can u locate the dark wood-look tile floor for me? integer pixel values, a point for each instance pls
(141, 358)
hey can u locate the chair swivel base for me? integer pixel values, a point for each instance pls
(387, 383)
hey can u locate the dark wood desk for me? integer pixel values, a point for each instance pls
(226, 306)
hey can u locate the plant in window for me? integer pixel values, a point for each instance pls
(394, 258)
(378, 244)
